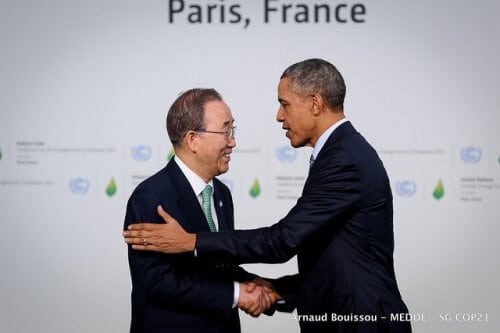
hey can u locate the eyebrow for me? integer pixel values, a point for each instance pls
(228, 122)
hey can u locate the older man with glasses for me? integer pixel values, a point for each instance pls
(183, 293)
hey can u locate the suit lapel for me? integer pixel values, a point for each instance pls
(220, 207)
(334, 139)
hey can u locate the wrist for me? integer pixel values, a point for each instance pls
(191, 242)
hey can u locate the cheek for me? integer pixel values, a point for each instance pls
(218, 152)
(296, 123)
(222, 165)
(295, 116)
(304, 122)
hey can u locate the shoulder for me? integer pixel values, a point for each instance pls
(154, 180)
(221, 187)
(347, 143)
(153, 186)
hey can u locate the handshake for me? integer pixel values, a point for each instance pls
(257, 296)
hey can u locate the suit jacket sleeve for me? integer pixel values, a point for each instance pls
(332, 191)
(167, 279)
(287, 287)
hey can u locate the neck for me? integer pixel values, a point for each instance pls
(192, 164)
(326, 120)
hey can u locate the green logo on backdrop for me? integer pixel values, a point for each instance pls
(171, 154)
(0, 154)
(255, 189)
(438, 190)
(111, 188)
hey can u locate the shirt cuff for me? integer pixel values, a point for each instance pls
(236, 296)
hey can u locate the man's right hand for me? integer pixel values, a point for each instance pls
(257, 296)
(167, 238)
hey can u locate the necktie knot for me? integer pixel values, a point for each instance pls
(207, 192)
(206, 196)
(311, 161)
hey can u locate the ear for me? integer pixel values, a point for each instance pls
(317, 104)
(191, 141)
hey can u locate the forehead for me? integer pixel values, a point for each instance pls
(217, 112)
(284, 85)
(285, 92)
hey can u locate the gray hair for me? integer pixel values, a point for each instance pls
(317, 76)
(187, 111)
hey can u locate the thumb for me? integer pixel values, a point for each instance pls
(163, 214)
(250, 287)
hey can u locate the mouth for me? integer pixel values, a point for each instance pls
(227, 157)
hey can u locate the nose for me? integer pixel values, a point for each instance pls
(231, 142)
(280, 115)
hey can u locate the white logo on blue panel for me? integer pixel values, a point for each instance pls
(141, 153)
(286, 153)
(471, 155)
(79, 185)
(406, 188)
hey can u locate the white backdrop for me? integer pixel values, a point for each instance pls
(84, 91)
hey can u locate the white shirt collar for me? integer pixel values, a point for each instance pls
(326, 134)
(194, 180)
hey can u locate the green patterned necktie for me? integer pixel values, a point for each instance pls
(206, 194)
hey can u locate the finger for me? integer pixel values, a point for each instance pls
(142, 226)
(252, 303)
(142, 240)
(262, 302)
(269, 298)
(268, 289)
(142, 247)
(274, 297)
(253, 310)
(164, 215)
(265, 302)
(136, 233)
(264, 284)
(139, 247)
(135, 240)
(256, 312)
(267, 285)
(259, 281)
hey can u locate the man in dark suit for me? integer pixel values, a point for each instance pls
(341, 228)
(181, 293)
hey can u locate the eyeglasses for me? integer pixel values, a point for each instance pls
(227, 134)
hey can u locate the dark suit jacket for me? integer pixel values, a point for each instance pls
(341, 229)
(181, 293)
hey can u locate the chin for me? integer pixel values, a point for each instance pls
(295, 144)
(223, 170)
